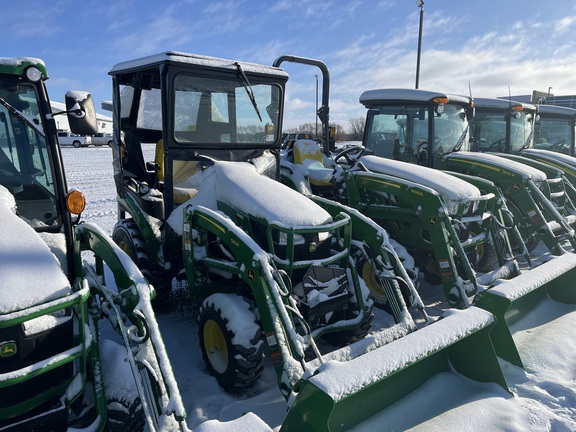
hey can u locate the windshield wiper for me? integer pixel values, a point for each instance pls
(22, 116)
(527, 142)
(461, 139)
(246, 84)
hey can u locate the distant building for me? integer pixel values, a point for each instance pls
(104, 122)
(538, 97)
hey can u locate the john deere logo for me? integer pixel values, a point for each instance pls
(432, 220)
(8, 349)
(312, 247)
(251, 275)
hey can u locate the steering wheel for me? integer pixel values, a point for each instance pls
(351, 154)
(497, 146)
(557, 146)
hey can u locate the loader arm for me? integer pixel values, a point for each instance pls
(130, 312)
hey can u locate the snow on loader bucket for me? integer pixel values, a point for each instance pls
(271, 268)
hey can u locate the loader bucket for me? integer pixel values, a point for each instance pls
(510, 299)
(343, 394)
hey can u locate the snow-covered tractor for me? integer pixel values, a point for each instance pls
(80, 348)
(395, 178)
(196, 164)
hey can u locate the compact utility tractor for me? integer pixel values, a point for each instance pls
(390, 178)
(531, 192)
(58, 371)
(509, 128)
(196, 161)
(454, 225)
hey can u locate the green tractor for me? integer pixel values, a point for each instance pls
(58, 371)
(532, 192)
(196, 161)
(391, 179)
(510, 129)
(455, 226)
(437, 140)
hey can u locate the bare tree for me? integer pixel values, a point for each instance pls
(356, 128)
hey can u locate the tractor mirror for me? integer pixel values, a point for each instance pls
(81, 113)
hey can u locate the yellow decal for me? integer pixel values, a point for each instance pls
(432, 220)
(220, 227)
(251, 275)
(8, 349)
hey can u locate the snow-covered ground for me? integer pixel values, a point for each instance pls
(542, 398)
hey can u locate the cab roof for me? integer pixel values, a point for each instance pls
(195, 60)
(494, 103)
(557, 110)
(17, 65)
(371, 98)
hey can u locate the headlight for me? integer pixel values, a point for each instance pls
(33, 74)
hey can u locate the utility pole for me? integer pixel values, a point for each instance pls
(420, 4)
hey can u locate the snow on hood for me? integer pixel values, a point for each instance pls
(239, 185)
(560, 157)
(534, 174)
(29, 274)
(448, 186)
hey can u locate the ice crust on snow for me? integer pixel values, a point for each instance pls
(30, 273)
(239, 185)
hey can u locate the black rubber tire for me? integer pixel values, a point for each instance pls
(234, 366)
(76, 144)
(128, 237)
(125, 416)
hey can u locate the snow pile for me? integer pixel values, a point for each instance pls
(29, 274)
(239, 185)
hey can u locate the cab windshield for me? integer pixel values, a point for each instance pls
(215, 111)
(401, 132)
(554, 134)
(490, 132)
(25, 165)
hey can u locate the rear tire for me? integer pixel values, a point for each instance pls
(234, 365)
(125, 416)
(128, 237)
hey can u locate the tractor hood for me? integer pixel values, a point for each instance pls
(451, 188)
(240, 186)
(30, 274)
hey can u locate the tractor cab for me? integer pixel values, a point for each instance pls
(30, 166)
(191, 109)
(503, 126)
(415, 126)
(554, 130)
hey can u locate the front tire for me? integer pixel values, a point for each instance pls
(76, 144)
(128, 237)
(233, 355)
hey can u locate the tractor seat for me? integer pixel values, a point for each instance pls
(308, 154)
(181, 173)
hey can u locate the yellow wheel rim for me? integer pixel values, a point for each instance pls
(215, 346)
(373, 284)
(125, 248)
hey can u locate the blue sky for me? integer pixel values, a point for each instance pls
(525, 45)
